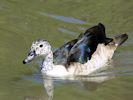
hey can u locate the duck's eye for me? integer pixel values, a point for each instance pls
(41, 45)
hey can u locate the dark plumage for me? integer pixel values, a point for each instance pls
(61, 54)
(87, 44)
(82, 48)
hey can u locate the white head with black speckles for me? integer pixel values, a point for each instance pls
(38, 48)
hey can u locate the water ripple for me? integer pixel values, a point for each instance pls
(63, 18)
(67, 31)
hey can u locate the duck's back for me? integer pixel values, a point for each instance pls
(87, 44)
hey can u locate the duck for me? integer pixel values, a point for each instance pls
(81, 48)
(103, 52)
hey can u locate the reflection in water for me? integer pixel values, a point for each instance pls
(89, 83)
(85, 82)
(67, 31)
(49, 87)
(62, 18)
(32, 98)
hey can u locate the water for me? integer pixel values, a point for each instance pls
(22, 22)
(62, 18)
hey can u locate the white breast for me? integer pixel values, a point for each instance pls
(57, 71)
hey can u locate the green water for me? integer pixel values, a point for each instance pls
(23, 21)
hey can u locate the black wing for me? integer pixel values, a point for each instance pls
(61, 54)
(87, 44)
(82, 48)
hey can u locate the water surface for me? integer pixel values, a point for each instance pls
(23, 21)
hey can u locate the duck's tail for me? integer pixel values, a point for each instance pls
(120, 39)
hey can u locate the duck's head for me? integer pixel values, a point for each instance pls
(38, 48)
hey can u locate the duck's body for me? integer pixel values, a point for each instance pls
(99, 59)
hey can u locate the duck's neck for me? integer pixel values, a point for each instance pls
(48, 62)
